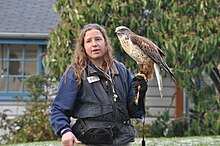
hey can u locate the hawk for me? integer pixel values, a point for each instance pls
(148, 56)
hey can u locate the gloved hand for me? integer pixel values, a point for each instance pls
(136, 106)
(139, 84)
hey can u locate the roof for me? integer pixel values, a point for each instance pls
(27, 18)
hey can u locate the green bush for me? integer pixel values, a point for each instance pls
(35, 86)
(164, 127)
(34, 124)
(206, 123)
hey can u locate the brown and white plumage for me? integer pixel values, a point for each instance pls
(148, 56)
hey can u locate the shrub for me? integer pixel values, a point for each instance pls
(34, 124)
(198, 124)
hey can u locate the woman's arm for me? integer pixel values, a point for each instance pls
(63, 103)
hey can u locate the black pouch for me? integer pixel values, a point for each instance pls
(93, 132)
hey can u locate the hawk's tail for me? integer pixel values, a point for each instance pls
(166, 68)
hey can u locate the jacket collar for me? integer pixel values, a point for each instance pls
(93, 71)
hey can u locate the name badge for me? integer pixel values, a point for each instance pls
(93, 79)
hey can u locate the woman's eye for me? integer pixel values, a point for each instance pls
(98, 39)
(87, 41)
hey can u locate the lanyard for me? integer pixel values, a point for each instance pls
(115, 96)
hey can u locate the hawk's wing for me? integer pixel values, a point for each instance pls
(148, 47)
(152, 51)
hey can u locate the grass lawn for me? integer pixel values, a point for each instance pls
(184, 141)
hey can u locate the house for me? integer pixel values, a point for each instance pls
(24, 30)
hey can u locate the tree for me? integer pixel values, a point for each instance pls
(187, 31)
(78, 13)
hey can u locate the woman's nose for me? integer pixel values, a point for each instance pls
(94, 43)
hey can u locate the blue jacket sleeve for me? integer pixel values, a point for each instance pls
(64, 102)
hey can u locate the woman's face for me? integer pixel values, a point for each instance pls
(95, 46)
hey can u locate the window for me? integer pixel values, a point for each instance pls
(18, 62)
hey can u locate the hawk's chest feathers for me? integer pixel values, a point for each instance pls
(133, 51)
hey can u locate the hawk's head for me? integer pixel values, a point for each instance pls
(123, 31)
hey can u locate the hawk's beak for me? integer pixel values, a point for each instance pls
(117, 32)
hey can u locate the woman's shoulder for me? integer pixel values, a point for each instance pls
(69, 73)
(121, 67)
(119, 64)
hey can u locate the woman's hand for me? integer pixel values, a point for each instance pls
(68, 139)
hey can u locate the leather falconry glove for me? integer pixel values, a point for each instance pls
(139, 84)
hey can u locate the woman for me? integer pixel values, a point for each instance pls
(98, 91)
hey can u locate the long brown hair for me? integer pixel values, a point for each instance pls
(80, 58)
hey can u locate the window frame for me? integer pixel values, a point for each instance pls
(6, 95)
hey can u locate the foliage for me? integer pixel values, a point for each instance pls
(34, 124)
(35, 85)
(75, 14)
(142, 130)
(206, 123)
(187, 31)
(165, 127)
(3, 123)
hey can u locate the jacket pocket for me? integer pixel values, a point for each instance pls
(93, 132)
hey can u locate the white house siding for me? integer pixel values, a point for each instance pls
(12, 108)
(156, 105)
